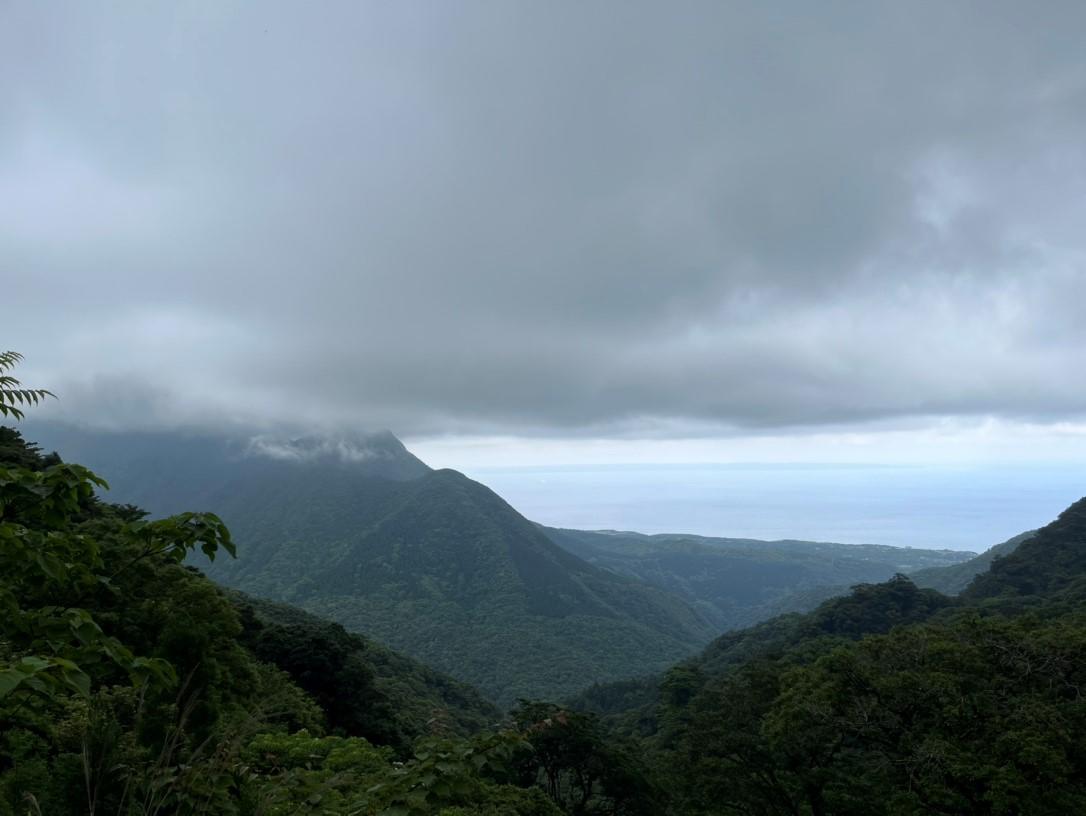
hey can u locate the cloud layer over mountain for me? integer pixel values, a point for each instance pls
(608, 218)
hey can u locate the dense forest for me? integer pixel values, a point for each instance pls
(358, 530)
(738, 582)
(429, 562)
(130, 683)
(893, 699)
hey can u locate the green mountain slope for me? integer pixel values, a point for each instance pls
(892, 699)
(865, 610)
(443, 569)
(966, 705)
(952, 579)
(322, 657)
(1051, 564)
(428, 562)
(131, 683)
(738, 582)
(1040, 567)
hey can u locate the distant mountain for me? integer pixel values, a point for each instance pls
(737, 582)
(949, 580)
(428, 562)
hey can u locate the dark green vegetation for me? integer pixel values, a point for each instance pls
(429, 562)
(737, 582)
(891, 700)
(951, 580)
(438, 566)
(131, 684)
(363, 687)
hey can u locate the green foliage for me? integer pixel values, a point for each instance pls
(131, 685)
(49, 567)
(429, 562)
(977, 716)
(158, 694)
(109, 646)
(12, 394)
(446, 571)
(365, 689)
(1050, 563)
(950, 580)
(299, 774)
(582, 769)
(868, 609)
(892, 700)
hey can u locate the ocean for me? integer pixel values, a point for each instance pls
(941, 507)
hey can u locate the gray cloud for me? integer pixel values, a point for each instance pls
(546, 217)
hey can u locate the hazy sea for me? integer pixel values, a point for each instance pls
(961, 508)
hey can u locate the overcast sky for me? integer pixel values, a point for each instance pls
(605, 231)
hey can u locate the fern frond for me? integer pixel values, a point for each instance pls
(11, 395)
(8, 359)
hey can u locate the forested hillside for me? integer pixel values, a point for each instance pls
(438, 566)
(892, 700)
(131, 685)
(363, 686)
(428, 562)
(736, 582)
(952, 579)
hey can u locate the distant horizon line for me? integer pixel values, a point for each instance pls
(755, 465)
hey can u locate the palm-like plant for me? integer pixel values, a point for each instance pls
(11, 394)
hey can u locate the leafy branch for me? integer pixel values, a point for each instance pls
(12, 394)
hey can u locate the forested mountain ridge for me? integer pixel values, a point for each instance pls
(161, 692)
(952, 579)
(892, 700)
(1058, 555)
(867, 609)
(130, 684)
(429, 562)
(739, 582)
(447, 571)
(382, 693)
(1049, 564)
(361, 531)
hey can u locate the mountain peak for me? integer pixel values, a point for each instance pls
(382, 448)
